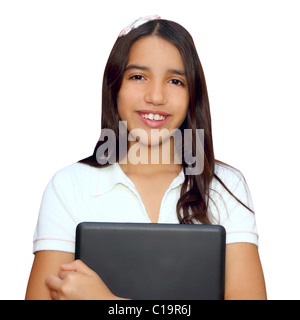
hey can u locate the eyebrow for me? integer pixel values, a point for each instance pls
(179, 72)
(143, 68)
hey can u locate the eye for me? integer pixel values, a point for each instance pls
(176, 82)
(137, 77)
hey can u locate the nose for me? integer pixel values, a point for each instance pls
(155, 93)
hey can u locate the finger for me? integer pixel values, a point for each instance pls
(54, 284)
(68, 267)
(62, 274)
(78, 266)
(54, 295)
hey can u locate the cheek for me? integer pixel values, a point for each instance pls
(121, 107)
(181, 107)
(122, 103)
(126, 101)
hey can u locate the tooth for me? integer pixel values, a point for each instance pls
(152, 117)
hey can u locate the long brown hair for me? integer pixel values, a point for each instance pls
(192, 206)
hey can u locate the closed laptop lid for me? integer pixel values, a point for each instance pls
(155, 261)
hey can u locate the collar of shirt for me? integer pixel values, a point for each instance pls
(106, 178)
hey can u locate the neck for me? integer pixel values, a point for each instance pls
(150, 159)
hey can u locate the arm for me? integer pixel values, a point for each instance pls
(244, 278)
(55, 275)
(45, 263)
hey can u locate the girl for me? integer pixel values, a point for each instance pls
(153, 81)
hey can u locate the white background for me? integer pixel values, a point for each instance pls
(52, 59)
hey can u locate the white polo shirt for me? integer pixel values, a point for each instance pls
(80, 193)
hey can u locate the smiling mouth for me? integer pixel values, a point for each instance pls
(153, 118)
(153, 115)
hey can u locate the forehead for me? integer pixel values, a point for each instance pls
(153, 51)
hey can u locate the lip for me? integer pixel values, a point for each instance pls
(154, 112)
(153, 123)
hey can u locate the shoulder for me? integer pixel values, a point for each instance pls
(230, 201)
(66, 188)
(64, 204)
(229, 175)
(233, 179)
(73, 171)
(74, 176)
(79, 178)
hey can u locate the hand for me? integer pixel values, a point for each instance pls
(76, 281)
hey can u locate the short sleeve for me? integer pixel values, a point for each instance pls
(57, 216)
(226, 210)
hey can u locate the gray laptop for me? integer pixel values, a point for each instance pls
(150, 261)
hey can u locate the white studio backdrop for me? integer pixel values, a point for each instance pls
(52, 58)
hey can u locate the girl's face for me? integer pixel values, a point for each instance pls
(154, 92)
